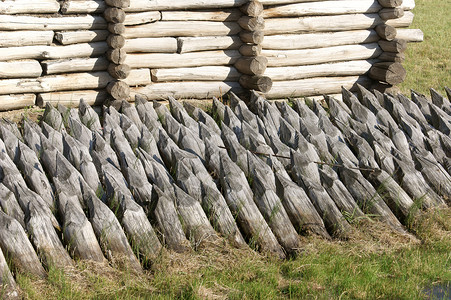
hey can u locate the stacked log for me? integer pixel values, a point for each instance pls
(389, 70)
(114, 14)
(252, 64)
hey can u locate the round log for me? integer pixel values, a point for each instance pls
(255, 65)
(116, 56)
(252, 8)
(252, 37)
(114, 15)
(116, 28)
(259, 83)
(390, 3)
(395, 45)
(391, 13)
(118, 3)
(115, 41)
(392, 56)
(252, 23)
(250, 50)
(386, 32)
(119, 71)
(389, 72)
(119, 90)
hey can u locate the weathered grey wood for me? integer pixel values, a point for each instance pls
(7, 283)
(181, 115)
(440, 101)
(14, 242)
(363, 150)
(104, 152)
(440, 119)
(52, 117)
(413, 110)
(239, 199)
(31, 136)
(10, 205)
(89, 117)
(110, 234)
(339, 193)
(415, 185)
(130, 130)
(78, 233)
(367, 197)
(396, 198)
(53, 136)
(236, 152)
(433, 173)
(165, 215)
(136, 224)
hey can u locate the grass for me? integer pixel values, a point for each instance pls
(428, 64)
(375, 263)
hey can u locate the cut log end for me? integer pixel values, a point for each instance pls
(259, 83)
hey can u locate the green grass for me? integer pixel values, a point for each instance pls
(428, 64)
(374, 264)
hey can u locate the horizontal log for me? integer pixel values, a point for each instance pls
(258, 83)
(392, 56)
(227, 15)
(321, 23)
(83, 7)
(404, 21)
(318, 40)
(252, 37)
(118, 3)
(186, 90)
(195, 59)
(20, 69)
(74, 65)
(252, 65)
(348, 68)
(278, 58)
(146, 5)
(53, 52)
(12, 7)
(391, 13)
(50, 23)
(390, 72)
(182, 28)
(321, 8)
(279, 2)
(252, 23)
(408, 4)
(386, 32)
(313, 86)
(209, 73)
(10, 102)
(251, 49)
(193, 44)
(151, 45)
(72, 98)
(116, 28)
(395, 45)
(252, 8)
(410, 35)
(114, 15)
(25, 38)
(390, 3)
(67, 82)
(77, 37)
(142, 18)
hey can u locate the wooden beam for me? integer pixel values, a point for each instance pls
(13, 7)
(83, 7)
(25, 38)
(146, 5)
(74, 65)
(50, 23)
(20, 69)
(82, 36)
(10, 102)
(208, 73)
(142, 18)
(410, 35)
(72, 98)
(193, 44)
(151, 45)
(226, 15)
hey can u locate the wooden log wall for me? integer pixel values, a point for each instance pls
(62, 51)
(316, 47)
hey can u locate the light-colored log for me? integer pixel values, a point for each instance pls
(77, 37)
(74, 65)
(227, 15)
(20, 69)
(279, 2)
(151, 45)
(12, 7)
(208, 73)
(50, 23)
(72, 98)
(278, 58)
(142, 18)
(67, 82)
(404, 21)
(321, 23)
(322, 8)
(319, 40)
(182, 28)
(25, 38)
(408, 4)
(53, 52)
(195, 59)
(83, 7)
(186, 90)
(410, 35)
(146, 5)
(348, 68)
(9, 102)
(313, 86)
(193, 44)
